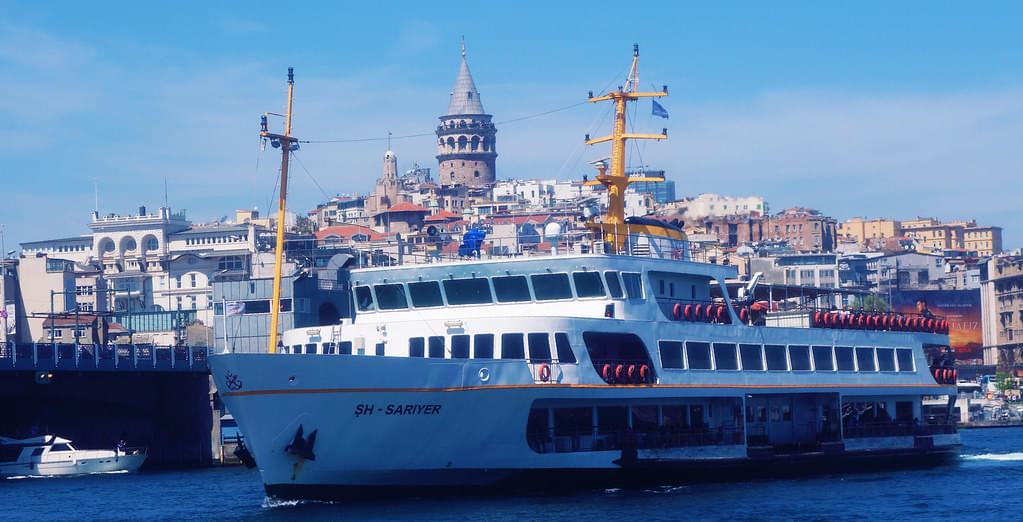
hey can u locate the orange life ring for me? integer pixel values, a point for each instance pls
(698, 312)
(619, 372)
(545, 372)
(688, 312)
(644, 373)
(633, 373)
(676, 311)
(744, 315)
(606, 373)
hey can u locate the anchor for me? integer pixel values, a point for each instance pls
(300, 446)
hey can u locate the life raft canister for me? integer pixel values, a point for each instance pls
(676, 311)
(744, 315)
(545, 372)
(818, 319)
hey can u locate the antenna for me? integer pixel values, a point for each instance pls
(388, 140)
(95, 189)
(165, 204)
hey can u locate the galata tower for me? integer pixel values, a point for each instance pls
(466, 149)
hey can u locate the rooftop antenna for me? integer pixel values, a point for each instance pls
(287, 144)
(388, 140)
(95, 190)
(165, 204)
(463, 46)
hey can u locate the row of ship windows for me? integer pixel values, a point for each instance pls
(698, 355)
(505, 289)
(481, 346)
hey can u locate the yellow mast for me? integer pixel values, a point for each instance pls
(616, 181)
(286, 143)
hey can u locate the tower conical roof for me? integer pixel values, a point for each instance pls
(465, 99)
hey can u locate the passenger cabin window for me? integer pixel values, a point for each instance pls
(364, 299)
(511, 289)
(698, 355)
(345, 348)
(548, 287)
(328, 348)
(844, 359)
(724, 356)
(436, 344)
(310, 348)
(296, 348)
(614, 286)
(752, 358)
(865, 359)
(425, 294)
(564, 348)
(483, 346)
(467, 291)
(391, 297)
(380, 347)
(822, 359)
(776, 357)
(539, 347)
(633, 285)
(905, 356)
(886, 359)
(511, 346)
(459, 346)
(799, 357)
(587, 284)
(671, 354)
(416, 347)
(60, 447)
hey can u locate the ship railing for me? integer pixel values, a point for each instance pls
(544, 371)
(793, 315)
(444, 248)
(896, 429)
(663, 437)
(91, 356)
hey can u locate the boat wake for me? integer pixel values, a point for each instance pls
(277, 503)
(1004, 457)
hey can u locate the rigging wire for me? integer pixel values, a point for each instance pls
(325, 195)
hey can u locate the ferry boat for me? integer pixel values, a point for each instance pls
(619, 359)
(50, 455)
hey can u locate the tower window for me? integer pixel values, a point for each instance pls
(476, 173)
(452, 175)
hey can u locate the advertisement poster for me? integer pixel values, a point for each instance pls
(12, 321)
(962, 310)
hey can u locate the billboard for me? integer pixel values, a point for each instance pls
(962, 310)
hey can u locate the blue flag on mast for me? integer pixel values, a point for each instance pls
(658, 110)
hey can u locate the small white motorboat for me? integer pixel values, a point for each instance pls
(50, 455)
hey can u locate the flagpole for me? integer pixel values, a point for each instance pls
(224, 305)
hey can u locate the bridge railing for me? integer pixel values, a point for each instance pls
(108, 357)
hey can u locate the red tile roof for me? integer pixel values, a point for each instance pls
(406, 207)
(443, 216)
(347, 231)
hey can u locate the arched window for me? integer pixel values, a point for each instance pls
(462, 142)
(451, 143)
(475, 145)
(486, 145)
(476, 173)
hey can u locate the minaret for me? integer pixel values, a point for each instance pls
(466, 149)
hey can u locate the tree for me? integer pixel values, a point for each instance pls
(305, 225)
(871, 302)
(1004, 382)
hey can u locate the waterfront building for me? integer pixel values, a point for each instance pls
(1002, 310)
(711, 205)
(466, 136)
(937, 236)
(874, 230)
(805, 229)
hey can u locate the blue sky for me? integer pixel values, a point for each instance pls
(895, 109)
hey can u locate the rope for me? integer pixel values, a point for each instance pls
(325, 195)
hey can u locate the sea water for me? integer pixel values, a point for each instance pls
(983, 484)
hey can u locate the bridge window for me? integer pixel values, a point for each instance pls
(671, 354)
(865, 359)
(886, 359)
(724, 356)
(822, 359)
(425, 294)
(364, 299)
(511, 289)
(551, 286)
(905, 356)
(436, 347)
(614, 286)
(539, 347)
(844, 358)
(511, 346)
(799, 356)
(752, 357)
(467, 291)
(459, 346)
(698, 355)
(483, 346)
(587, 284)
(776, 360)
(633, 285)
(391, 297)
(564, 348)
(416, 347)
